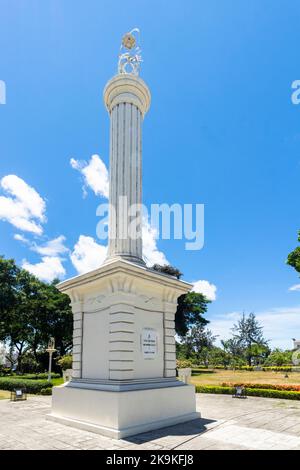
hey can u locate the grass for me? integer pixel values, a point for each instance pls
(270, 377)
(57, 382)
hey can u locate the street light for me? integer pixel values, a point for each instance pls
(51, 349)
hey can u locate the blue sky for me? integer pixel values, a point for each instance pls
(221, 130)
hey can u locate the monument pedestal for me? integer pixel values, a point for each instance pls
(124, 357)
(122, 414)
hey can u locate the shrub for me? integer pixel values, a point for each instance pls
(183, 363)
(167, 269)
(46, 391)
(255, 392)
(29, 364)
(4, 371)
(65, 362)
(31, 386)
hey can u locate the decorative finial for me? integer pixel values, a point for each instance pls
(130, 53)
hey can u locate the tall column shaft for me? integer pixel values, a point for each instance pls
(127, 99)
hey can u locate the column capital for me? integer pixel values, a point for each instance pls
(126, 88)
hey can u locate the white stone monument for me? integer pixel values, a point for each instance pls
(124, 359)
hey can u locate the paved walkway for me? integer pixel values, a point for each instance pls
(226, 423)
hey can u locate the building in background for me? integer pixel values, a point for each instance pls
(296, 343)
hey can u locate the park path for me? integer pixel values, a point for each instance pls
(226, 423)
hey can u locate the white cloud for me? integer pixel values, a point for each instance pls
(52, 247)
(280, 325)
(205, 288)
(23, 207)
(95, 175)
(21, 238)
(96, 178)
(150, 251)
(48, 269)
(296, 287)
(87, 254)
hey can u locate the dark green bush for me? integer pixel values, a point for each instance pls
(29, 364)
(4, 371)
(31, 386)
(46, 391)
(202, 371)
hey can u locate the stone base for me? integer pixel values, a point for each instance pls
(123, 414)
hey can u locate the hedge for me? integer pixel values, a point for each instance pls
(40, 376)
(292, 388)
(214, 389)
(31, 386)
(202, 371)
(265, 368)
(187, 363)
(254, 392)
(261, 392)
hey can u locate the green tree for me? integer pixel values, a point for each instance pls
(191, 306)
(54, 319)
(198, 342)
(8, 291)
(190, 310)
(35, 311)
(219, 357)
(293, 258)
(234, 353)
(257, 352)
(247, 333)
(279, 358)
(232, 347)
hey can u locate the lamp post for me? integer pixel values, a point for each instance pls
(51, 349)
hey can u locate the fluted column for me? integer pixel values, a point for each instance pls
(127, 99)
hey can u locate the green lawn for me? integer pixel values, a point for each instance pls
(58, 381)
(270, 377)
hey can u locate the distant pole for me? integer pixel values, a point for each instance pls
(51, 349)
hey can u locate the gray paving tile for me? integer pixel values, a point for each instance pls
(255, 423)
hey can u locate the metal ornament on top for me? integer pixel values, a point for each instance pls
(130, 54)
